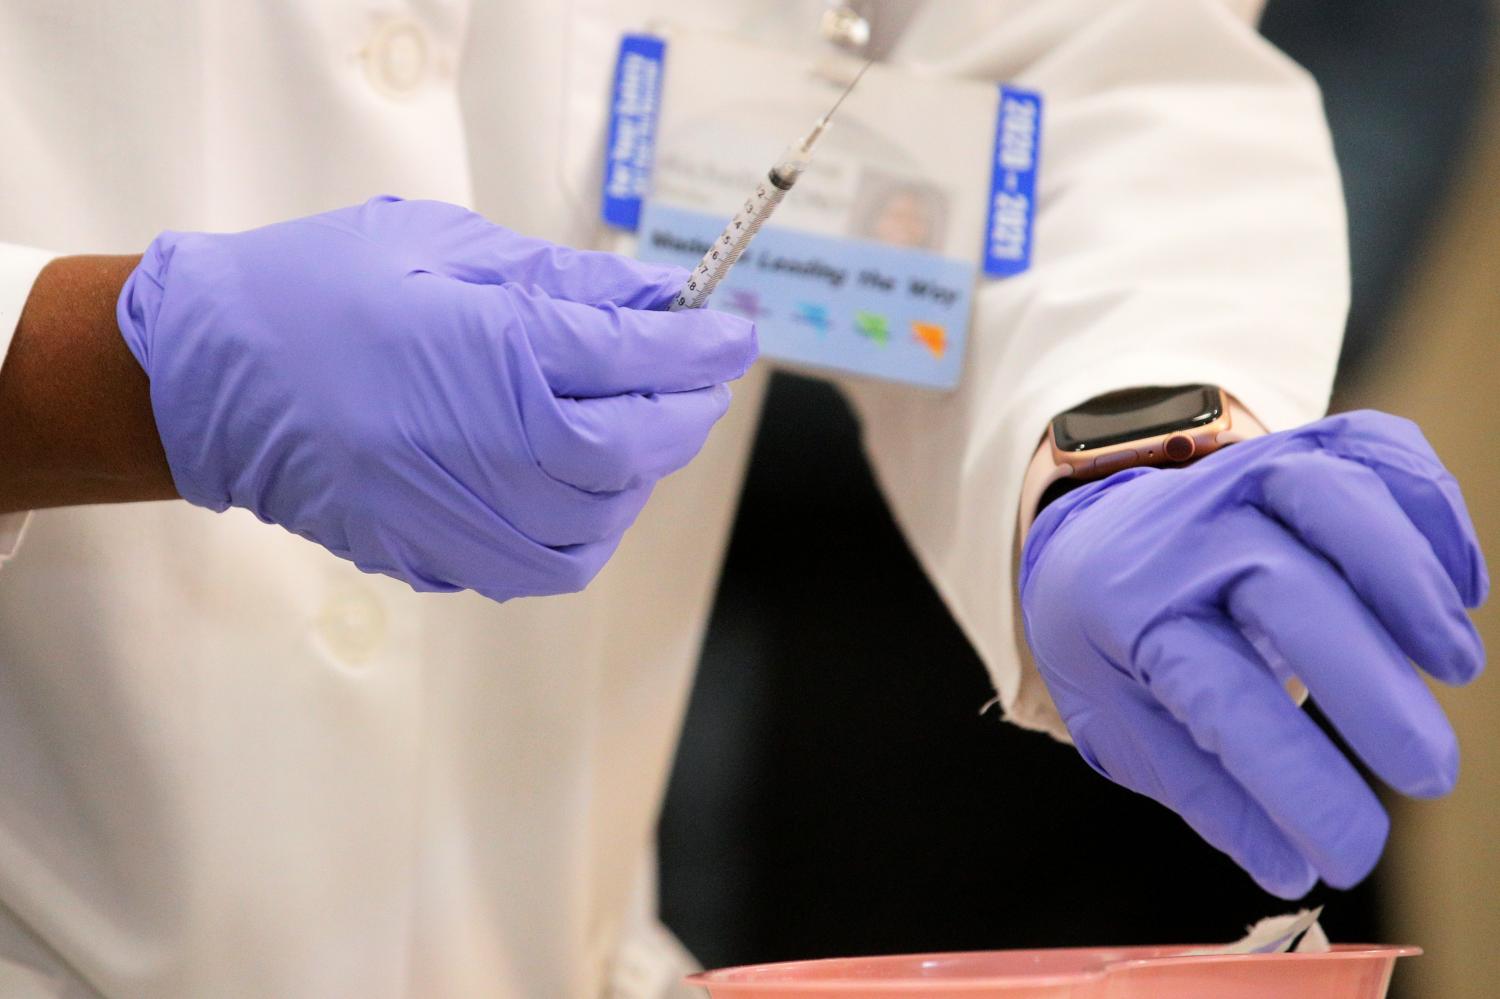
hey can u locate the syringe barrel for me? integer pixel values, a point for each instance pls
(757, 208)
(730, 243)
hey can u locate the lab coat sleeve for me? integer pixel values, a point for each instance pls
(19, 266)
(1190, 229)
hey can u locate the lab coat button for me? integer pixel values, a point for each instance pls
(396, 57)
(351, 626)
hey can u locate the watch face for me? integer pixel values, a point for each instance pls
(1135, 414)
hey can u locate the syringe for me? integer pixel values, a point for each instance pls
(753, 214)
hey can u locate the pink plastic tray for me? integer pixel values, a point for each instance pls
(1349, 971)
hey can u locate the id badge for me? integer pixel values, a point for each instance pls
(869, 265)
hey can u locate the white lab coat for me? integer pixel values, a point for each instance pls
(235, 766)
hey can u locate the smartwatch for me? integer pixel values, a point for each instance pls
(1158, 426)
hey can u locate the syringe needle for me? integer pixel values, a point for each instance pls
(817, 130)
(847, 90)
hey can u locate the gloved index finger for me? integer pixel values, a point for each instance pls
(589, 352)
(1343, 510)
(1395, 450)
(492, 254)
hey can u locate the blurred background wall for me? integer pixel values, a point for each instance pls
(1440, 365)
(837, 791)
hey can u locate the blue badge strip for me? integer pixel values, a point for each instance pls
(1018, 138)
(634, 107)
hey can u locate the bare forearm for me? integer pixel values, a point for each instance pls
(75, 407)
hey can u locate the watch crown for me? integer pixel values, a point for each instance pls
(1179, 447)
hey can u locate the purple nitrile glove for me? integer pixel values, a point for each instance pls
(1167, 608)
(424, 393)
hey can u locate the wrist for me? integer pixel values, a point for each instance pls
(75, 410)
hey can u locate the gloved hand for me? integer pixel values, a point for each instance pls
(424, 393)
(1167, 607)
